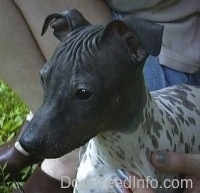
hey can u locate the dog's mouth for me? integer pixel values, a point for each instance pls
(54, 150)
(51, 148)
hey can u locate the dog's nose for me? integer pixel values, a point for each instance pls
(30, 144)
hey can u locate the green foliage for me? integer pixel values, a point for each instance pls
(6, 186)
(12, 114)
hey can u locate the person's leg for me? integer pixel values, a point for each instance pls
(158, 76)
(20, 57)
(175, 77)
(194, 79)
(153, 74)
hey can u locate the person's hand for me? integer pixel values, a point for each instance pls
(188, 164)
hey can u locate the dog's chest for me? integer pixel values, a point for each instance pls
(171, 125)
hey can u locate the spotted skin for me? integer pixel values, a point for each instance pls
(171, 121)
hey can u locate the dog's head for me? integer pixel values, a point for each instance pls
(93, 82)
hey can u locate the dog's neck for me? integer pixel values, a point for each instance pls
(121, 150)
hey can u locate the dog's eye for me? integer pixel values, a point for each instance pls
(83, 94)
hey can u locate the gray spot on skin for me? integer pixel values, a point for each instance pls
(180, 110)
(171, 99)
(132, 165)
(172, 132)
(121, 150)
(146, 129)
(197, 111)
(176, 129)
(182, 95)
(174, 149)
(152, 112)
(110, 153)
(111, 147)
(139, 140)
(101, 175)
(193, 140)
(192, 95)
(187, 123)
(148, 104)
(186, 88)
(118, 136)
(181, 118)
(161, 112)
(181, 137)
(187, 148)
(120, 156)
(171, 120)
(157, 128)
(178, 121)
(123, 166)
(143, 146)
(192, 120)
(103, 137)
(154, 141)
(148, 153)
(189, 105)
(169, 137)
(100, 161)
(167, 107)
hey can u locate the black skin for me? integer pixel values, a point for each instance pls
(91, 85)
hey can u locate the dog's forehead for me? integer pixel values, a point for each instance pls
(84, 56)
(78, 44)
(82, 41)
(82, 46)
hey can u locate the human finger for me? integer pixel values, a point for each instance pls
(177, 162)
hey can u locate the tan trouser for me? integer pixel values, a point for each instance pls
(22, 49)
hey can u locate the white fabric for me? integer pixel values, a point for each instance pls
(20, 149)
(29, 116)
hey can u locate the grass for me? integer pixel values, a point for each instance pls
(12, 114)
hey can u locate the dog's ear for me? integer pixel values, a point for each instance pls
(148, 33)
(64, 22)
(142, 37)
